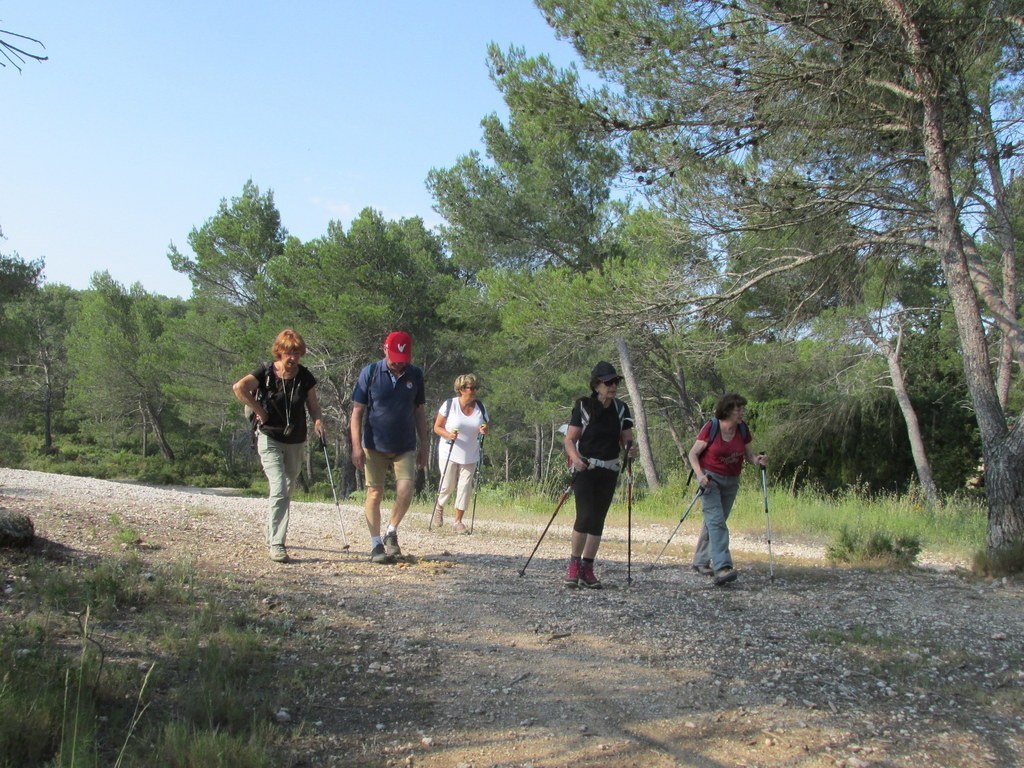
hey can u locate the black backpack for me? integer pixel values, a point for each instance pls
(262, 393)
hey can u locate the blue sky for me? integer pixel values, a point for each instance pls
(148, 113)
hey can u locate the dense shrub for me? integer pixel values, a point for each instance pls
(875, 548)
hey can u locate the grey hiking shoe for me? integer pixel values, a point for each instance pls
(703, 570)
(279, 554)
(379, 556)
(391, 544)
(724, 575)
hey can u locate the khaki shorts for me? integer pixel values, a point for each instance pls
(404, 465)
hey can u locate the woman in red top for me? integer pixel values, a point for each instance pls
(717, 462)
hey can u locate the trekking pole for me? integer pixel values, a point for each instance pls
(440, 485)
(629, 514)
(561, 501)
(334, 493)
(767, 522)
(697, 495)
(476, 479)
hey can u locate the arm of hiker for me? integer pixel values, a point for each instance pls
(626, 438)
(439, 429)
(758, 460)
(245, 391)
(355, 431)
(694, 458)
(572, 434)
(313, 406)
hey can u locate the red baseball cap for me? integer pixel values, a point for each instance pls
(398, 345)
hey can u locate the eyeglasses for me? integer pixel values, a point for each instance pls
(470, 389)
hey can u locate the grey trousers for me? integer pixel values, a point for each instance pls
(282, 463)
(716, 502)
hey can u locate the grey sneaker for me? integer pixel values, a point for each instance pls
(724, 575)
(703, 570)
(391, 544)
(379, 556)
(279, 554)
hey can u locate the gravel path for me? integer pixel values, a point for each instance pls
(480, 667)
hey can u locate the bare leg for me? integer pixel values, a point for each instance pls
(372, 509)
(403, 498)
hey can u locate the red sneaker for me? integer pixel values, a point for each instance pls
(572, 573)
(587, 577)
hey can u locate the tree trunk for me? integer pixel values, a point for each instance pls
(551, 452)
(899, 385)
(47, 410)
(1008, 243)
(158, 432)
(538, 453)
(640, 433)
(681, 447)
(1003, 448)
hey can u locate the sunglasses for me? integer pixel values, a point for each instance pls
(470, 389)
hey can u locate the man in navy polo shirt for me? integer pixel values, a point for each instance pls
(387, 418)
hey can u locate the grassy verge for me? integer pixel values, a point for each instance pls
(115, 661)
(955, 527)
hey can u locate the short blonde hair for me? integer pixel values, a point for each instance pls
(465, 380)
(288, 341)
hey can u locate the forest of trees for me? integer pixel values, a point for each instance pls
(813, 204)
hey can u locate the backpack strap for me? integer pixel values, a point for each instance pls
(448, 408)
(743, 429)
(369, 383)
(584, 418)
(620, 411)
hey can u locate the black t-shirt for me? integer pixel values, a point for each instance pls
(600, 440)
(285, 402)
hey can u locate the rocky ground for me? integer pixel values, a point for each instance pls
(451, 658)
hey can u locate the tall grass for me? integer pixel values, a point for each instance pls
(955, 526)
(91, 707)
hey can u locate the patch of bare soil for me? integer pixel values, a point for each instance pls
(451, 658)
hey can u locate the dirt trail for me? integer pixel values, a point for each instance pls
(453, 659)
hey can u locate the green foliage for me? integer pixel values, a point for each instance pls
(17, 277)
(876, 548)
(121, 352)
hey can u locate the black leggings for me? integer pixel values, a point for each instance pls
(594, 491)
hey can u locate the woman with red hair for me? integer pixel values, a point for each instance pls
(278, 394)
